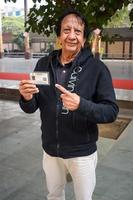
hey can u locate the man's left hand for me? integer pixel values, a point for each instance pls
(70, 100)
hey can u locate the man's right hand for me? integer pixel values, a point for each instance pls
(27, 88)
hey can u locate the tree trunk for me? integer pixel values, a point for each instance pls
(26, 35)
(96, 43)
(27, 46)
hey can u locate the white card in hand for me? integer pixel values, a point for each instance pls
(40, 78)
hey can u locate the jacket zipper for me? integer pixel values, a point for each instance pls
(57, 129)
(58, 105)
(57, 111)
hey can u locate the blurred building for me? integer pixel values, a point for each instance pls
(12, 11)
(122, 45)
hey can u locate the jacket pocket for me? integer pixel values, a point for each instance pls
(79, 122)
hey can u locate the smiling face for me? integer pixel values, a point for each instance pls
(72, 34)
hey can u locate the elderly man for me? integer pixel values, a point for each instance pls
(80, 95)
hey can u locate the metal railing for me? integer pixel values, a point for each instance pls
(117, 56)
(39, 55)
(22, 55)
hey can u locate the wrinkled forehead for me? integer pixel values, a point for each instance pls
(72, 19)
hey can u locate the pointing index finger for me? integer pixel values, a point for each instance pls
(62, 89)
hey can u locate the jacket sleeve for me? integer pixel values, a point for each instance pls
(103, 108)
(32, 105)
(28, 106)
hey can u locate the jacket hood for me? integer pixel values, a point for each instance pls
(82, 56)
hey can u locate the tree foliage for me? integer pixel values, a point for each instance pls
(42, 19)
(19, 40)
(120, 19)
(15, 25)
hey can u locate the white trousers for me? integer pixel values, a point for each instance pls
(82, 170)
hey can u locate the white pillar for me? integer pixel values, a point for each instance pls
(1, 40)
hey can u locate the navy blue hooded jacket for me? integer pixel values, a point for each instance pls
(73, 133)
